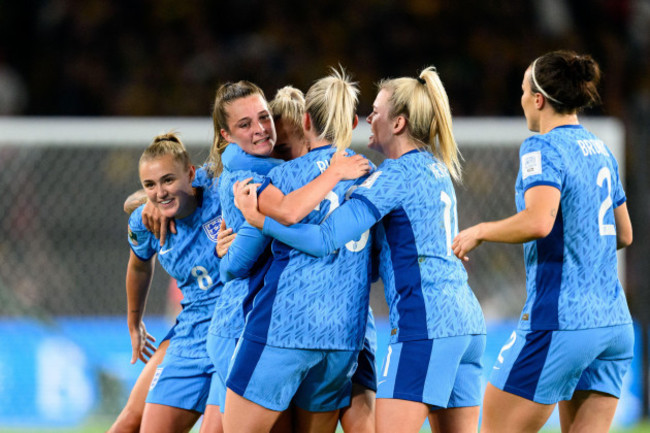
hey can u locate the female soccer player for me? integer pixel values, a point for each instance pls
(181, 386)
(574, 341)
(130, 418)
(244, 136)
(433, 366)
(293, 322)
(288, 109)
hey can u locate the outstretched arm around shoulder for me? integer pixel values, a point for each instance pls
(293, 207)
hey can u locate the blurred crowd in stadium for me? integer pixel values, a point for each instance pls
(166, 58)
(94, 57)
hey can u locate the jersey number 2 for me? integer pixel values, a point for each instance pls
(605, 229)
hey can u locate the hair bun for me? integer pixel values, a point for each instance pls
(585, 68)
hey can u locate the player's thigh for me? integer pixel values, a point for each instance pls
(359, 416)
(504, 412)
(315, 422)
(158, 418)
(141, 388)
(212, 420)
(130, 417)
(395, 415)
(455, 419)
(245, 416)
(587, 411)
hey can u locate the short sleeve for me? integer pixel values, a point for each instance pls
(142, 241)
(618, 196)
(540, 164)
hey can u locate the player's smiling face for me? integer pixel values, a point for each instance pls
(380, 122)
(250, 125)
(168, 185)
(528, 103)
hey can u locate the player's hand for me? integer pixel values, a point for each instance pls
(349, 167)
(224, 239)
(466, 241)
(246, 202)
(141, 344)
(157, 223)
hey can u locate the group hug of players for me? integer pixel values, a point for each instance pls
(275, 240)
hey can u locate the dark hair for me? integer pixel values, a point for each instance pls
(568, 80)
(226, 94)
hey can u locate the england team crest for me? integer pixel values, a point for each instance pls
(211, 228)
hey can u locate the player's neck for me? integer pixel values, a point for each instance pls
(553, 120)
(315, 143)
(401, 146)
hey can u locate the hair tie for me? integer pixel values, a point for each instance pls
(421, 80)
(542, 91)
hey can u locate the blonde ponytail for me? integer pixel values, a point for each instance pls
(424, 103)
(332, 103)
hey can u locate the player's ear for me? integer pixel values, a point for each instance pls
(192, 173)
(226, 135)
(399, 125)
(306, 122)
(355, 122)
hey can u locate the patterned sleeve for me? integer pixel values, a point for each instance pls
(274, 177)
(540, 164)
(383, 190)
(345, 224)
(142, 241)
(243, 253)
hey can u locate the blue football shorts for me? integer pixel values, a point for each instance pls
(275, 377)
(221, 351)
(181, 382)
(549, 366)
(366, 372)
(442, 372)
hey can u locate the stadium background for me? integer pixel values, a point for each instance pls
(62, 242)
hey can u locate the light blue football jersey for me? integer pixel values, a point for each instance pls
(205, 180)
(425, 284)
(189, 256)
(239, 165)
(237, 295)
(571, 275)
(309, 302)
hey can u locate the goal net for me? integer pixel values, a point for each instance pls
(63, 232)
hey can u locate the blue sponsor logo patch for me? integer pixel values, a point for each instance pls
(211, 228)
